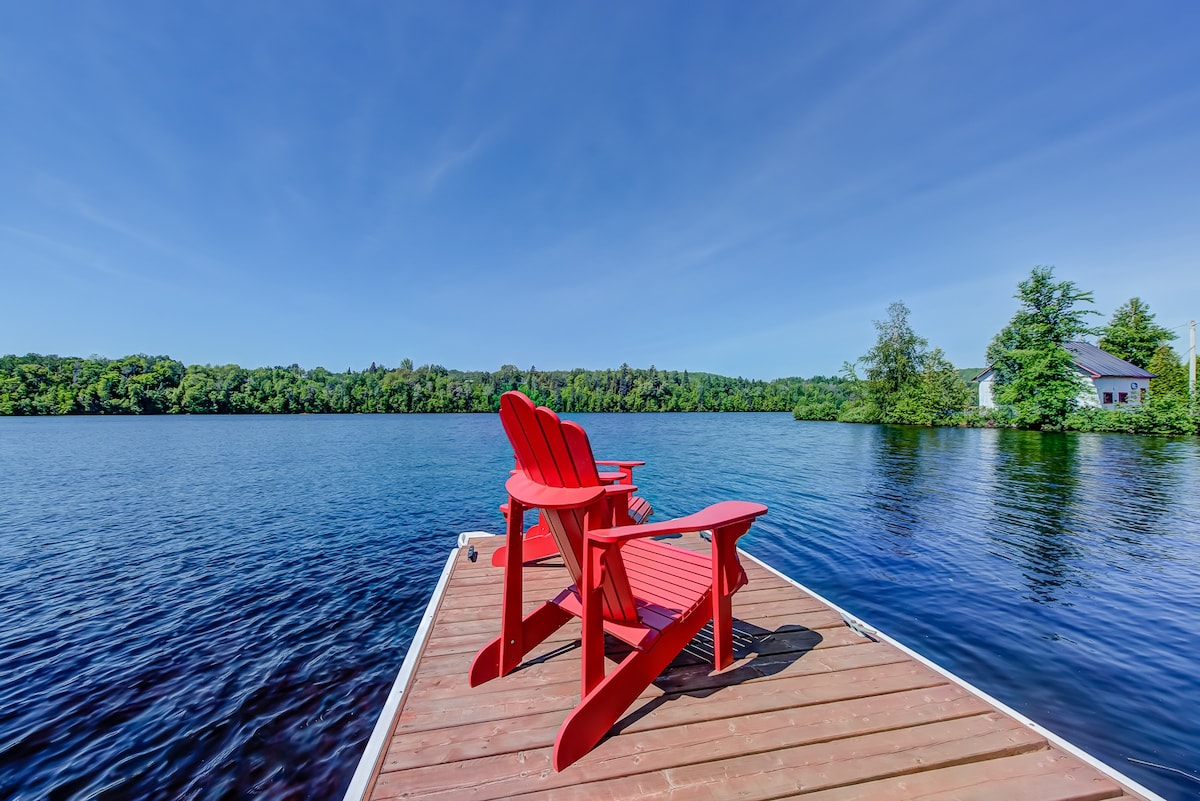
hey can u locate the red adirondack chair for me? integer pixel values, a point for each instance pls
(653, 596)
(539, 542)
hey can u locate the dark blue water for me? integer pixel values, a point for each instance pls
(216, 607)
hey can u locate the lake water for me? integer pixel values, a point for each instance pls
(215, 607)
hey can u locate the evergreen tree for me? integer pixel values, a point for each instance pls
(1133, 335)
(1034, 373)
(1171, 375)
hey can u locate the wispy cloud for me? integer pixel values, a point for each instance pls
(62, 250)
(65, 194)
(456, 159)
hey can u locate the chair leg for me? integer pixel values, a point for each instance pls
(728, 576)
(608, 702)
(722, 631)
(535, 628)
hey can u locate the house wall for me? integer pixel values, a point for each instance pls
(1115, 385)
(1091, 391)
(986, 386)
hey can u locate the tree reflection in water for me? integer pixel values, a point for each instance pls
(1036, 507)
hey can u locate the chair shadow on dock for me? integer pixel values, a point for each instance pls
(758, 653)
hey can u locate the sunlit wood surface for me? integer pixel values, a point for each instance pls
(808, 709)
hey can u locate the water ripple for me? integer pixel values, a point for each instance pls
(216, 607)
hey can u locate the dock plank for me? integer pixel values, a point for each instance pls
(1046, 775)
(809, 709)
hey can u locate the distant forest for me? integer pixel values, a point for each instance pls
(56, 385)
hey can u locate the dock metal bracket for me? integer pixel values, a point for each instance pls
(860, 628)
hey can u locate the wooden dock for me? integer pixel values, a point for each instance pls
(810, 709)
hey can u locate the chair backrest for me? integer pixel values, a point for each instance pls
(557, 453)
(549, 450)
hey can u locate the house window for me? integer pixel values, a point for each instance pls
(1142, 395)
(1108, 397)
(1122, 397)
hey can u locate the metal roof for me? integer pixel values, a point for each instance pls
(1101, 364)
(1097, 363)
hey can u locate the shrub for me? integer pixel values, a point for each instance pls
(1164, 414)
(859, 411)
(810, 409)
(977, 417)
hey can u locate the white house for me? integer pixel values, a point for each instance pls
(1109, 382)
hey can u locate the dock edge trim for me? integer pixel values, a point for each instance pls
(376, 746)
(862, 628)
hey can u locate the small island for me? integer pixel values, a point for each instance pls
(1037, 376)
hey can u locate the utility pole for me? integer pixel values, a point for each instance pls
(1192, 362)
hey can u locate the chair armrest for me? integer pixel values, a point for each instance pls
(610, 478)
(620, 489)
(719, 515)
(624, 469)
(530, 493)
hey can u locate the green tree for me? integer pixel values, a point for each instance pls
(936, 392)
(196, 392)
(1034, 373)
(903, 382)
(894, 364)
(1171, 375)
(1133, 335)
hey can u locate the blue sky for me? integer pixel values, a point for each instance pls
(736, 188)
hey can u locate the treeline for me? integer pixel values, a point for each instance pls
(55, 385)
(1037, 385)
